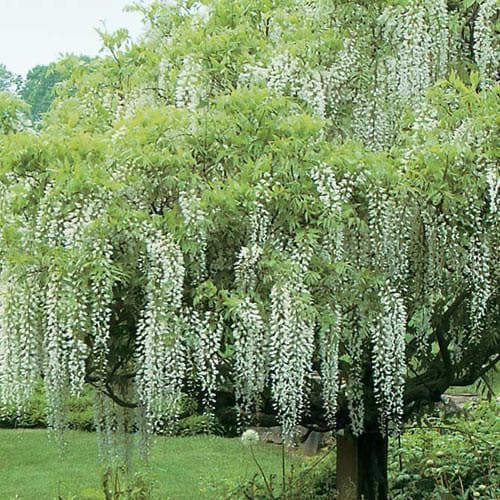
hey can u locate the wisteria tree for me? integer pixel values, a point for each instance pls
(295, 198)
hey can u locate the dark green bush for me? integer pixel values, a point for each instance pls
(449, 456)
(196, 424)
(80, 412)
(81, 415)
(442, 457)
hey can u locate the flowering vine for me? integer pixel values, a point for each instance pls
(250, 366)
(290, 353)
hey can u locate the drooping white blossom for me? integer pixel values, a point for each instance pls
(160, 359)
(486, 49)
(389, 363)
(250, 350)
(191, 87)
(290, 354)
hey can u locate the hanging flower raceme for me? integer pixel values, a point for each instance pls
(195, 220)
(159, 358)
(290, 352)
(354, 389)
(333, 194)
(407, 31)
(389, 235)
(246, 265)
(191, 88)
(250, 352)
(339, 76)
(207, 328)
(20, 340)
(389, 363)
(486, 50)
(329, 352)
(64, 367)
(101, 295)
(478, 272)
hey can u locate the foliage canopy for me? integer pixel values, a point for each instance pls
(281, 195)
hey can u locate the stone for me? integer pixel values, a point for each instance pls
(312, 443)
(269, 434)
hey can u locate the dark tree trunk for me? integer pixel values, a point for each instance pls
(362, 466)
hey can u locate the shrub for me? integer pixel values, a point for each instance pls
(449, 457)
(441, 457)
(80, 412)
(196, 424)
(81, 415)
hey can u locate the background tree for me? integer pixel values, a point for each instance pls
(8, 81)
(38, 89)
(288, 198)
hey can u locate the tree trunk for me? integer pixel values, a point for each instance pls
(362, 466)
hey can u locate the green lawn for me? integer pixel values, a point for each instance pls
(181, 468)
(493, 378)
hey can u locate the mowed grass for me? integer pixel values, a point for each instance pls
(32, 468)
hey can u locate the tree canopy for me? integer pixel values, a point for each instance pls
(290, 197)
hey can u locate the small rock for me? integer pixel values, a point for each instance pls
(302, 433)
(312, 443)
(269, 434)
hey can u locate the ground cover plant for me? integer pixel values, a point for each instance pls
(449, 456)
(443, 455)
(294, 201)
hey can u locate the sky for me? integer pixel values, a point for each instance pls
(37, 31)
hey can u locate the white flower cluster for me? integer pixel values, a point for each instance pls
(439, 34)
(425, 117)
(20, 344)
(389, 364)
(133, 103)
(339, 77)
(329, 352)
(195, 220)
(101, 295)
(486, 41)
(65, 354)
(250, 350)
(333, 194)
(372, 120)
(493, 181)
(407, 31)
(417, 39)
(164, 67)
(284, 74)
(191, 88)
(287, 75)
(208, 328)
(160, 360)
(389, 236)
(249, 437)
(415, 52)
(290, 354)
(200, 13)
(354, 390)
(478, 269)
(69, 312)
(444, 251)
(245, 267)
